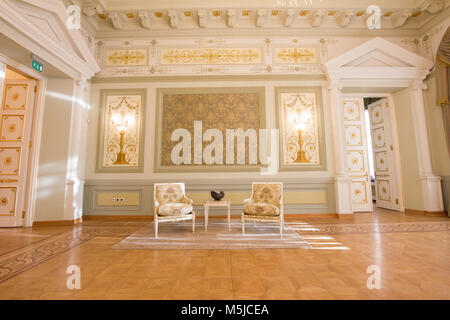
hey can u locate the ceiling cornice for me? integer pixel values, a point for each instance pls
(109, 35)
(138, 18)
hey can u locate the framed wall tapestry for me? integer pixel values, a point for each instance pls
(121, 131)
(300, 120)
(195, 129)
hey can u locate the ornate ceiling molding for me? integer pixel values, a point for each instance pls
(144, 16)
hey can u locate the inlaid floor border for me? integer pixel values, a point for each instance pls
(358, 228)
(17, 261)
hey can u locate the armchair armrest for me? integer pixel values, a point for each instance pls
(187, 200)
(156, 206)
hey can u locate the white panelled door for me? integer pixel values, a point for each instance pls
(356, 153)
(386, 185)
(15, 129)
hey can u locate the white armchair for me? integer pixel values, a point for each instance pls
(265, 204)
(171, 204)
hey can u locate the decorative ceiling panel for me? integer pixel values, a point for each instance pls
(220, 56)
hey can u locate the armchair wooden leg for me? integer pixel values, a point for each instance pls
(243, 225)
(281, 228)
(156, 229)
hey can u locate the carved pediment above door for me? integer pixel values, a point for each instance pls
(40, 26)
(378, 61)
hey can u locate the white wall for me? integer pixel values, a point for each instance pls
(412, 185)
(53, 156)
(439, 154)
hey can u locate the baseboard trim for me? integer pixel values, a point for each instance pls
(346, 216)
(201, 216)
(114, 217)
(310, 215)
(426, 213)
(57, 222)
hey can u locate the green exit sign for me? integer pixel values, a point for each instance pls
(36, 65)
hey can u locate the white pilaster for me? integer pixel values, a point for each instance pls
(431, 184)
(343, 181)
(73, 206)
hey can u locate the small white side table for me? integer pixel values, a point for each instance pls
(215, 203)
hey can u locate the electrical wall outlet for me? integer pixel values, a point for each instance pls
(118, 199)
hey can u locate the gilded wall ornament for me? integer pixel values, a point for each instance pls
(211, 56)
(122, 118)
(128, 57)
(300, 130)
(295, 55)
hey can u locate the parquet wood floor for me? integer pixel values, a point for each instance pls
(412, 251)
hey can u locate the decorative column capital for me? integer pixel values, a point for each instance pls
(82, 83)
(335, 85)
(418, 85)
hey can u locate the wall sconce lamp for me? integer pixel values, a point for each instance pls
(121, 123)
(300, 120)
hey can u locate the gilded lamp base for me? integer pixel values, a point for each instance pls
(301, 157)
(301, 154)
(121, 158)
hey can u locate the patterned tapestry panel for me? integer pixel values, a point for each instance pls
(122, 113)
(216, 111)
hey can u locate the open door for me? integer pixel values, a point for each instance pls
(356, 153)
(16, 115)
(387, 184)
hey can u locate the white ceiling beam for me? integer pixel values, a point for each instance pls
(92, 7)
(146, 21)
(317, 17)
(260, 15)
(173, 18)
(116, 20)
(399, 18)
(231, 18)
(202, 18)
(344, 18)
(433, 6)
(289, 17)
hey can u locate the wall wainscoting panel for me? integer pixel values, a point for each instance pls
(301, 196)
(121, 131)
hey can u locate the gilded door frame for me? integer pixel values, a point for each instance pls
(36, 133)
(397, 169)
(362, 148)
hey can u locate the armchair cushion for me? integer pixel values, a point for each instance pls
(261, 209)
(169, 193)
(267, 193)
(175, 209)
